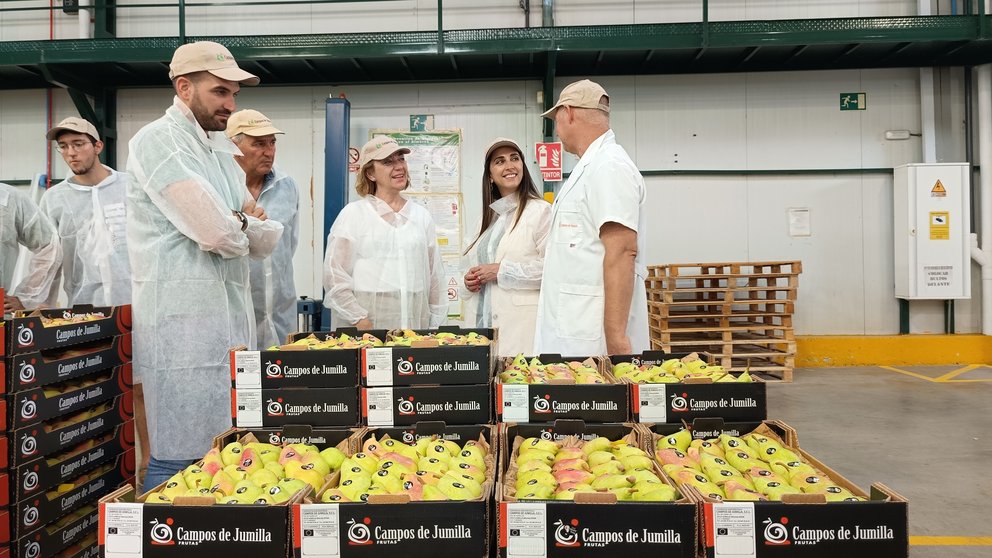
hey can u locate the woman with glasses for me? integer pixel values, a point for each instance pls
(505, 262)
(383, 268)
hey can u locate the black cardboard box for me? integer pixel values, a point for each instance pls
(565, 529)
(31, 442)
(44, 403)
(384, 526)
(553, 401)
(191, 531)
(800, 526)
(44, 473)
(27, 333)
(34, 369)
(265, 408)
(408, 405)
(294, 434)
(654, 403)
(428, 363)
(34, 512)
(288, 368)
(57, 536)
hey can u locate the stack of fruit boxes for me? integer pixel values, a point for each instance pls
(741, 313)
(69, 428)
(296, 384)
(429, 381)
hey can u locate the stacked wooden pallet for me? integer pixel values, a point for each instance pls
(741, 313)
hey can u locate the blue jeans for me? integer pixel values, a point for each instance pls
(160, 470)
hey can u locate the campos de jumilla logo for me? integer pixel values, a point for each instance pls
(26, 372)
(273, 369)
(542, 404)
(161, 533)
(274, 408)
(404, 366)
(679, 402)
(776, 534)
(359, 533)
(567, 534)
(406, 406)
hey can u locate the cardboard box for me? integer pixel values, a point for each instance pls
(31, 442)
(395, 526)
(686, 401)
(552, 401)
(266, 408)
(27, 333)
(289, 368)
(408, 405)
(41, 474)
(86, 549)
(801, 525)
(589, 526)
(33, 513)
(59, 535)
(4, 450)
(133, 529)
(40, 368)
(427, 363)
(40, 404)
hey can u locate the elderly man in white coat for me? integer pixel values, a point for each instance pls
(192, 226)
(593, 299)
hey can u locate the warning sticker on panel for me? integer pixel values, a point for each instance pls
(938, 190)
(733, 530)
(940, 225)
(526, 533)
(938, 275)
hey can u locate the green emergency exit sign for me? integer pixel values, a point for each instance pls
(853, 101)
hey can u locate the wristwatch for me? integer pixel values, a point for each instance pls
(244, 220)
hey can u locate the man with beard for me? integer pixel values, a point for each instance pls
(192, 226)
(272, 287)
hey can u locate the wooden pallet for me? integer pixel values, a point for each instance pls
(764, 362)
(692, 308)
(731, 268)
(734, 322)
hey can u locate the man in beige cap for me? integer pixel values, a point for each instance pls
(273, 289)
(592, 297)
(192, 226)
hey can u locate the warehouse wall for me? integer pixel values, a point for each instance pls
(767, 121)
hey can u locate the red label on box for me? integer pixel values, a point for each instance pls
(549, 160)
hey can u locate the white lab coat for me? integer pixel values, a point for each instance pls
(605, 186)
(511, 302)
(273, 288)
(384, 266)
(190, 291)
(22, 223)
(92, 226)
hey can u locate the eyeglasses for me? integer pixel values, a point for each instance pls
(74, 146)
(393, 161)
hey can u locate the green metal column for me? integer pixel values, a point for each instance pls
(903, 316)
(105, 103)
(105, 19)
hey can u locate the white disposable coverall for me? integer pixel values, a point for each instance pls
(22, 223)
(384, 266)
(190, 291)
(92, 226)
(273, 289)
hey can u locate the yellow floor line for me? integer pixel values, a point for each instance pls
(968, 381)
(908, 373)
(955, 373)
(950, 541)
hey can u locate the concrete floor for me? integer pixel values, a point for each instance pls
(925, 431)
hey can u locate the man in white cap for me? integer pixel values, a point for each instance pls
(191, 228)
(272, 287)
(593, 299)
(23, 224)
(89, 213)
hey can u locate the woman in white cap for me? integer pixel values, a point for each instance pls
(506, 260)
(383, 268)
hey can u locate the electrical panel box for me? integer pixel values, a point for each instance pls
(932, 241)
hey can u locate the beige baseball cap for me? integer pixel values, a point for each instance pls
(207, 56)
(378, 148)
(250, 123)
(501, 142)
(581, 94)
(73, 124)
